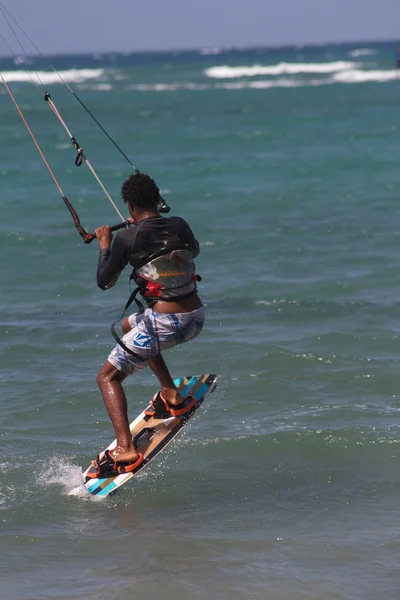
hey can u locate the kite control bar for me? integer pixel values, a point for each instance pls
(89, 237)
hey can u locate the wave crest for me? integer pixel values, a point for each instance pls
(351, 76)
(362, 52)
(360, 76)
(39, 77)
(283, 68)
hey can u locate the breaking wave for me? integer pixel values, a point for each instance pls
(363, 52)
(41, 77)
(361, 76)
(283, 68)
(351, 76)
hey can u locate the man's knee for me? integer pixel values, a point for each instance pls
(100, 379)
(108, 373)
(103, 377)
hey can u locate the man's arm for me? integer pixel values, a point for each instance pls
(191, 240)
(195, 246)
(111, 261)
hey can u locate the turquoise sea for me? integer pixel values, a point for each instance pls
(286, 486)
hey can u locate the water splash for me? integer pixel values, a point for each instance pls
(60, 470)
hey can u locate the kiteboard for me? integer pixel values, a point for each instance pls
(151, 435)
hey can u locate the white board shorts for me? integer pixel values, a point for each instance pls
(153, 333)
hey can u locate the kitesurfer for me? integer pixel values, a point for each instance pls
(161, 251)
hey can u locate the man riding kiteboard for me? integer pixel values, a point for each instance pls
(161, 251)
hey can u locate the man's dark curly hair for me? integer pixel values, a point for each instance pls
(140, 191)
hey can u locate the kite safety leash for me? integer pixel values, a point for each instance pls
(87, 237)
(81, 156)
(164, 208)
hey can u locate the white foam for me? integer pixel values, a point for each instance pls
(226, 72)
(363, 52)
(361, 76)
(22, 60)
(211, 51)
(101, 87)
(347, 76)
(61, 471)
(350, 76)
(261, 84)
(70, 75)
(169, 87)
(234, 85)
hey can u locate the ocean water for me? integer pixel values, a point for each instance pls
(286, 486)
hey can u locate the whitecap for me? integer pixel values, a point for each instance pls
(168, 87)
(363, 52)
(41, 77)
(101, 87)
(264, 84)
(211, 51)
(22, 60)
(233, 85)
(361, 76)
(346, 76)
(227, 72)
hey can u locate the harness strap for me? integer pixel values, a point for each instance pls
(140, 306)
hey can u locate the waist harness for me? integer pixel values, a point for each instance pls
(166, 276)
(169, 277)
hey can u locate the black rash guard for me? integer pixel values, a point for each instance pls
(138, 244)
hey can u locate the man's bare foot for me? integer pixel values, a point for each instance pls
(173, 406)
(120, 455)
(108, 465)
(172, 396)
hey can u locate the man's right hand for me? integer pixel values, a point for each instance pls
(104, 236)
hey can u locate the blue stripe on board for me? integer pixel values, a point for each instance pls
(201, 391)
(105, 491)
(188, 386)
(95, 485)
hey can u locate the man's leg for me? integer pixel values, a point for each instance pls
(126, 326)
(158, 366)
(168, 389)
(109, 380)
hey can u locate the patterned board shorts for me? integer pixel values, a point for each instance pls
(153, 333)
